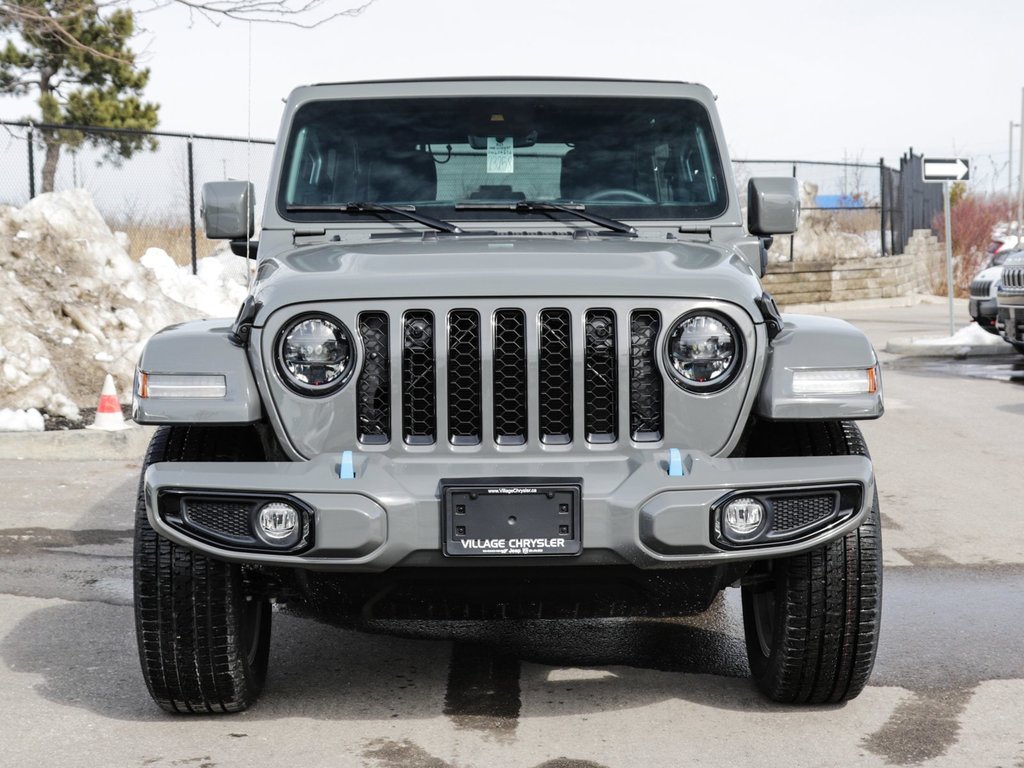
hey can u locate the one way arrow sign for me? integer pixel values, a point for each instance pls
(945, 169)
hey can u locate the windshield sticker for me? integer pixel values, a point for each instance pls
(500, 158)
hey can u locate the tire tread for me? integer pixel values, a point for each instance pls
(188, 607)
(826, 629)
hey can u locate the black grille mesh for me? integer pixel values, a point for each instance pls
(792, 513)
(981, 288)
(499, 392)
(373, 389)
(464, 384)
(646, 408)
(600, 377)
(554, 373)
(228, 518)
(419, 407)
(510, 376)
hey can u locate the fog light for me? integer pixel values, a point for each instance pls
(278, 521)
(743, 516)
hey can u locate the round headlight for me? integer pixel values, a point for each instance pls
(314, 354)
(703, 351)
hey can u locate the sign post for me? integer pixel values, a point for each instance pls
(946, 169)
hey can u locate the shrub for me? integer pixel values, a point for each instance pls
(973, 218)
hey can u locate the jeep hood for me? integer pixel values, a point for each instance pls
(504, 266)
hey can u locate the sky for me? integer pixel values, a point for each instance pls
(820, 80)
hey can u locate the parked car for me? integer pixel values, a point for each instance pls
(506, 355)
(982, 302)
(1010, 301)
(1000, 246)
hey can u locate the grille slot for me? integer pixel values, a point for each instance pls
(373, 389)
(795, 512)
(554, 376)
(600, 372)
(222, 517)
(646, 396)
(510, 377)
(419, 386)
(465, 420)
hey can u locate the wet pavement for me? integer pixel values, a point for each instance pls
(1009, 368)
(947, 630)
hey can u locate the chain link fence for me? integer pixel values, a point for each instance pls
(835, 197)
(153, 196)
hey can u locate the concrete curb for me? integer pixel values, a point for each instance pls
(77, 444)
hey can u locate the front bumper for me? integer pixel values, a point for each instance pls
(984, 312)
(1010, 319)
(633, 510)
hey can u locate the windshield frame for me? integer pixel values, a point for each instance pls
(636, 213)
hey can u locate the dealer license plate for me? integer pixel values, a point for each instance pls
(514, 517)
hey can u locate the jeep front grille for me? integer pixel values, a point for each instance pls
(503, 365)
(1013, 278)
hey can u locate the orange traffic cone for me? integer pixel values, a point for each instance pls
(108, 413)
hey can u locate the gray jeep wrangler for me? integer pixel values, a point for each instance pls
(506, 355)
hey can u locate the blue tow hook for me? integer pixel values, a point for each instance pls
(675, 463)
(346, 470)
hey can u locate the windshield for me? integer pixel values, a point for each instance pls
(627, 158)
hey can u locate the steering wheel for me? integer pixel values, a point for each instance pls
(620, 194)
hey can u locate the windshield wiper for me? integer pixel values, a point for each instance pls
(408, 211)
(544, 206)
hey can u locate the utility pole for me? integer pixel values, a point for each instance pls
(1020, 178)
(1009, 167)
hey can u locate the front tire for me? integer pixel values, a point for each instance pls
(812, 620)
(203, 636)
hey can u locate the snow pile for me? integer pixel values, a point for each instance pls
(819, 237)
(970, 335)
(12, 420)
(74, 306)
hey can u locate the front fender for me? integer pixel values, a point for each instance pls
(201, 347)
(810, 342)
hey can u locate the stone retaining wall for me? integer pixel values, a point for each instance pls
(811, 282)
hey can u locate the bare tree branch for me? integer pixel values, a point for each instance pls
(305, 14)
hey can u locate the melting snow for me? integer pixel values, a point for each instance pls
(75, 306)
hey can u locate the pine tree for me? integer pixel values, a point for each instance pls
(79, 64)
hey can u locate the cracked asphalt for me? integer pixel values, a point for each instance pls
(947, 690)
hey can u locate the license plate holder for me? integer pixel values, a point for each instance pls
(511, 517)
